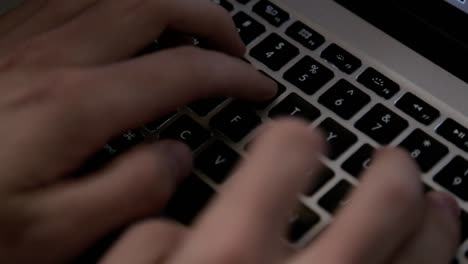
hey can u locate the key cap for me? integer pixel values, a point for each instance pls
(359, 161)
(155, 125)
(235, 121)
(303, 34)
(217, 161)
(379, 83)
(271, 13)
(344, 99)
(336, 197)
(454, 177)
(224, 3)
(249, 29)
(381, 124)
(188, 131)
(308, 75)
(189, 200)
(455, 133)
(464, 225)
(339, 138)
(205, 106)
(424, 149)
(302, 221)
(342, 59)
(295, 106)
(320, 180)
(274, 52)
(279, 92)
(418, 109)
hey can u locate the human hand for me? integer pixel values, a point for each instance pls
(69, 84)
(387, 219)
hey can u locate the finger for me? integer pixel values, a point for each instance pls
(135, 186)
(150, 242)
(36, 17)
(438, 239)
(137, 92)
(384, 212)
(248, 220)
(116, 98)
(114, 30)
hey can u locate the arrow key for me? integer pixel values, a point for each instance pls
(454, 177)
(217, 161)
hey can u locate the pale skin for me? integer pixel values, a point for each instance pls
(69, 83)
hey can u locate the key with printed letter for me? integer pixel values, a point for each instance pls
(308, 75)
(295, 106)
(344, 99)
(274, 52)
(303, 34)
(339, 138)
(217, 161)
(188, 131)
(342, 59)
(455, 133)
(424, 149)
(454, 177)
(379, 83)
(236, 121)
(381, 124)
(249, 29)
(271, 13)
(359, 161)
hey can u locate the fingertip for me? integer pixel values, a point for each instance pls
(446, 202)
(179, 157)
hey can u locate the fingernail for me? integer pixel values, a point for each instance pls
(178, 155)
(446, 202)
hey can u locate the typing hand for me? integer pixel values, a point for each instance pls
(69, 84)
(386, 220)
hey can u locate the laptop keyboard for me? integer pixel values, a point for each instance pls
(358, 107)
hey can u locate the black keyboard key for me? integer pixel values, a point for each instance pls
(359, 161)
(339, 138)
(336, 197)
(224, 3)
(344, 99)
(424, 149)
(124, 142)
(325, 175)
(271, 13)
(309, 75)
(295, 106)
(382, 125)
(205, 106)
(418, 109)
(303, 34)
(155, 125)
(279, 92)
(190, 199)
(455, 133)
(187, 130)
(274, 52)
(379, 83)
(249, 29)
(302, 221)
(464, 225)
(236, 121)
(217, 161)
(454, 177)
(342, 59)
